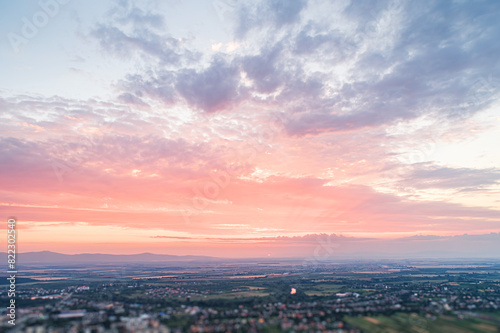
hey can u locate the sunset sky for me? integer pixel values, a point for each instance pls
(249, 128)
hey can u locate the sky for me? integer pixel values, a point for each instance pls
(251, 128)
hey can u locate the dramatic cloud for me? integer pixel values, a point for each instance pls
(269, 122)
(213, 89)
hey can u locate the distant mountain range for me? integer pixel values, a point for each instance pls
(312, 248)
(48, 257)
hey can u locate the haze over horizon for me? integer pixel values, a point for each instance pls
(251, 129)
(319, 248)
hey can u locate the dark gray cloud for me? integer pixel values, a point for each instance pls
(159, 85)
(212, 89)
(452, 178)
(404, 60)
(265, 70)
(443, 60)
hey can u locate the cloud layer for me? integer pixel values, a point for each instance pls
(290, 118)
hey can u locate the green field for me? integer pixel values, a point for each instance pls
(402, 322)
